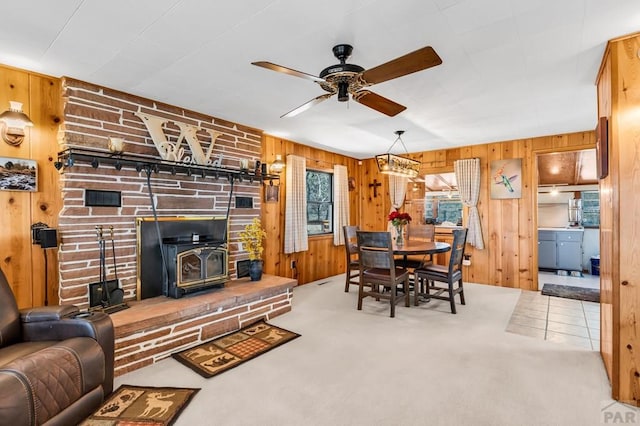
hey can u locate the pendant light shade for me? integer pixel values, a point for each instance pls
(392, 164)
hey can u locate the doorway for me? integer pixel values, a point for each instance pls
(566, 243)
(568, 214)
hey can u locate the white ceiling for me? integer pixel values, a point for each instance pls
(511, 68)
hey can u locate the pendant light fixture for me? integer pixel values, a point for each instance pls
(391, 164)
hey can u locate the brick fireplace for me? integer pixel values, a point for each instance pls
(92, 114)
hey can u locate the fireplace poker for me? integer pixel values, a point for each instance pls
(103, 268)
(117, 294)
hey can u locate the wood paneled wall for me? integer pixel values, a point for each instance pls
(22, 262)
(606, 231)
(323, 259)
(509, 226)
(619, 100)
(510, 257)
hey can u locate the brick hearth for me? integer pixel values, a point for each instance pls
(153, 329)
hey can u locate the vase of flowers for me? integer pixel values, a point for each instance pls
(251, 237)
(399, 220)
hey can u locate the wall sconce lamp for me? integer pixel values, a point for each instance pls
(12, 123)
(278, 165)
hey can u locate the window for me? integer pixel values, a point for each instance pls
(319, 202)
(590, 209)
(442, 201)
(441, 208)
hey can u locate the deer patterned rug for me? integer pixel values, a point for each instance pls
(141, 405)
(226, 352)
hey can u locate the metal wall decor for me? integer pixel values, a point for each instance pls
(97, 158)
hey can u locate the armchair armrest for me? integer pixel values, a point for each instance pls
(69, 322)
(47, 313)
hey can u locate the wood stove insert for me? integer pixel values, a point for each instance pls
(195, 255)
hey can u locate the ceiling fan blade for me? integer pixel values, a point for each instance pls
(412, 62)
(307, 105)
(379, 103)
(280, 68)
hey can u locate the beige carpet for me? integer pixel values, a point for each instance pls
(424, 367)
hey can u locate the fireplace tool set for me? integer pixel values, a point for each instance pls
(109, 294)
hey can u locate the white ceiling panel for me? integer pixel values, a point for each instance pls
(470, 15)
(511, 68)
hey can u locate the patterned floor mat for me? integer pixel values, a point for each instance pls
(226, 352)
(141, 405)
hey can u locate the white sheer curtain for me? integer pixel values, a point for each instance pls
(295, 220)
(397, 192)
(340, 203)
(468, 178)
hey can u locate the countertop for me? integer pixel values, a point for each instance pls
(562, 229)
(440, 229)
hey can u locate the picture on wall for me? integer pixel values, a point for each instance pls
(506, 179)
(271, 193)
(18, 174)
(602, 148)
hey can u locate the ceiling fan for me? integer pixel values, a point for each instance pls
(350, 79)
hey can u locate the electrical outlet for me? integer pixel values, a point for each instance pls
(293, 264)
(240, 247)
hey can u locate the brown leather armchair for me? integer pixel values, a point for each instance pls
(56, 364)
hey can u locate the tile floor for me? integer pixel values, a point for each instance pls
(588, 281)
(558, 319)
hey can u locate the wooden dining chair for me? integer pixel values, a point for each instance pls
(351, 250)
(426, 277)
(378, 269)
(420, 232)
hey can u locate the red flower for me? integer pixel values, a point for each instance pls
(396, 218)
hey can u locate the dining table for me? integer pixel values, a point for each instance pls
(420, 247)
(410, 247)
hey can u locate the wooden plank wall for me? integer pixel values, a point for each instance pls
(22, 262)
(619, 99)
(606, 230)
(509, 226)
(323, 259)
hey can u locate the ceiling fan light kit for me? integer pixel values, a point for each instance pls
(346, 79)
(397, 165)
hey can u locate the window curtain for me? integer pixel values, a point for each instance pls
(468, 178)
(397, 192)
(340, 203)
(295, 220)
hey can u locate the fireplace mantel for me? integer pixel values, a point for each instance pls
(96, 158)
